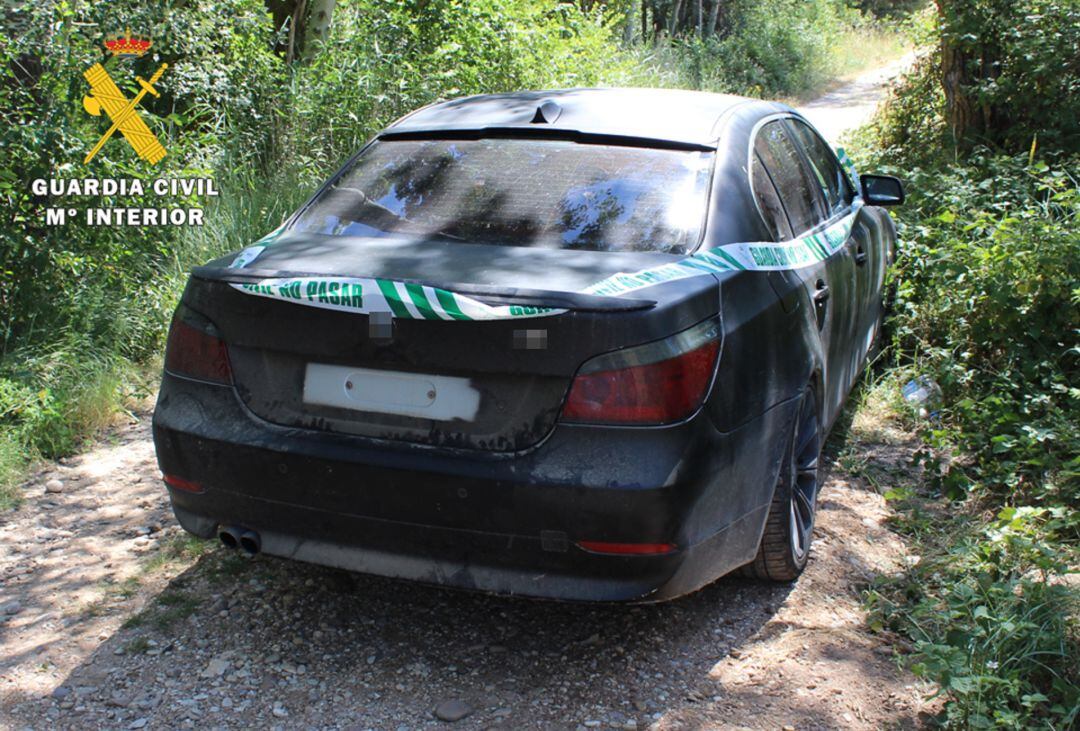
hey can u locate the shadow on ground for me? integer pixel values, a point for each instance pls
(244, 642)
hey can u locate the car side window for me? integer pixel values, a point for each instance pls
(830, 176)
(783, 161)
(768, 200)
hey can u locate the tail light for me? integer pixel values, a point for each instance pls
(195, 351)
(180, 483)
(657, 383)
(628, 549)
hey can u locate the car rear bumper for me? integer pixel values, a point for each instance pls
(509, 523)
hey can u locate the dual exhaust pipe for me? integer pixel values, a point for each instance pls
(232, 536)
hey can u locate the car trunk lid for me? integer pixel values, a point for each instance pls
(494, 385)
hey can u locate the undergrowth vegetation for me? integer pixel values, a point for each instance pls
(778, 48)
(84, 309)
(988, 306)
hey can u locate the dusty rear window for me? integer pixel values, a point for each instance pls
(520, 192)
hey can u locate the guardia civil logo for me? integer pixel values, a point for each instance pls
(129, 201)
(106, 96)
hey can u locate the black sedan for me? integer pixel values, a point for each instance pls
(577, 344)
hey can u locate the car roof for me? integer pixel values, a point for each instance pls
(669, 115)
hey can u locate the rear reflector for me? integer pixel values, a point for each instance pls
(657, 383)
(179, 483)
(193, 353)
(627, 549)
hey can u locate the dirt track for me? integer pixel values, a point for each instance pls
(110, 617)
(852, 104)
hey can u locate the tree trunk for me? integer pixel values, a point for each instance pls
(954, 78)
(700, 21)
(673, 23)
(296, 31)
(317, 26)
(971, 52)
(714, 18)
(628, 22)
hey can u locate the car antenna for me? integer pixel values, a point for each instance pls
(546, 113)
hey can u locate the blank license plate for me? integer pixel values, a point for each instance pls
(441, 398)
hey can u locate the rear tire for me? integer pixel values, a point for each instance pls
(785, 544)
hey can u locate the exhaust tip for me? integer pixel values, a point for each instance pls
(250, 542)
(229, 537)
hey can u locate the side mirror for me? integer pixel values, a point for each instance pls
(882, 190)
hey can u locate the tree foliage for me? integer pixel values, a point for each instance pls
(1010, 70)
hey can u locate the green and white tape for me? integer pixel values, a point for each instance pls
(409, 300)
(762, 256)
(403, 300)
(849, 168)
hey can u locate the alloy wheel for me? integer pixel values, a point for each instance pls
(805, 457)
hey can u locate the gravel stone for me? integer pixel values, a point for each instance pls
(215, 668)
(452, 710)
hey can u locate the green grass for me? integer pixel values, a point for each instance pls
(985, 610)
(874, 422)
(127, 588)
(1003, 645)
(172, 606)
(90, 610)
(13, 465)
(137, 646)
(852, 52)
(135, 620)
(55, 398)
(228, 566)
(169, 607)
(181, 548)
(870, 47)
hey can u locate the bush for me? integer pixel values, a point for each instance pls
(987, 305)
(987, 297)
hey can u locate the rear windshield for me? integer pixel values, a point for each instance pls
(520, 192)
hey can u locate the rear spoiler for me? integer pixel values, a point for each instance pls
(488, 294)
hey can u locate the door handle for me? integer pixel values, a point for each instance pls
(860, 256)
(821, 296)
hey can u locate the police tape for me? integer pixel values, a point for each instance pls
(403, 300)
(849, 168)
(410, 300)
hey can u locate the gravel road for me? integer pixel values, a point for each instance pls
(111, 617)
